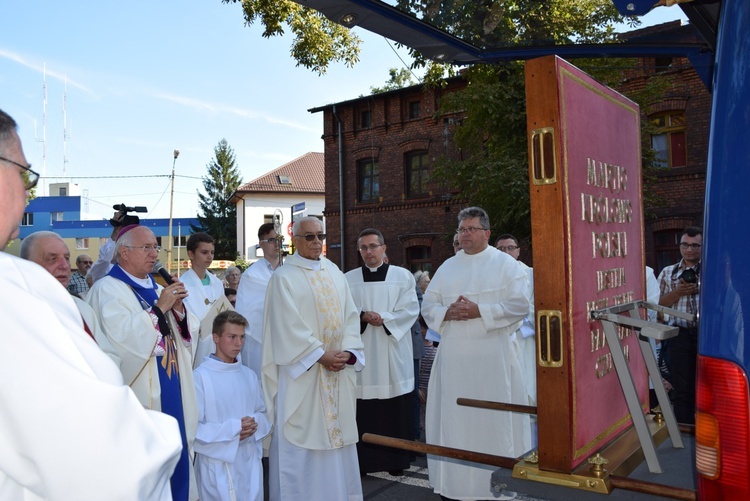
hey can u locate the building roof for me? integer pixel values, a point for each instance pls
(305, 174)
(388, 93)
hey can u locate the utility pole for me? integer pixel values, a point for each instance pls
(171, 206)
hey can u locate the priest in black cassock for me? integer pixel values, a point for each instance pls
(386, 298)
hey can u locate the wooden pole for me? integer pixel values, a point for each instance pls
(667, 491)
(498, 406)
(410, 445)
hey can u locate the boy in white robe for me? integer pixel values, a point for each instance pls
(232, 418)
(204, 288)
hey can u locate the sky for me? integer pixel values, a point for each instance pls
(140, 79)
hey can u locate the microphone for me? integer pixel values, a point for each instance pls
(159, 268)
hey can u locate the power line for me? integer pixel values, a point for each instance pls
(118, 177)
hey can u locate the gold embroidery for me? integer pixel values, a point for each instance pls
(328, 306)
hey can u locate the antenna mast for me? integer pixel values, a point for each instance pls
(44, 133)
(65, 125)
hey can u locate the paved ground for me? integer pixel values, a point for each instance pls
(413, 486)
(678, 466)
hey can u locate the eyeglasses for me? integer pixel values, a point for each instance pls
(30, 177)
(145, 248)
(371, 247)
(86, 262)
(685, 245)
(509, 248)
(470, 229)
(310, 237)
(273, 240)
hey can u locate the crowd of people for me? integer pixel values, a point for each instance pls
(195, 388)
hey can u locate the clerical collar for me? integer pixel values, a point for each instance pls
(315, 264)
(376, 268)
(143, 282)
(375, 275)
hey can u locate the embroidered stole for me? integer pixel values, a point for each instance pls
(328, 306)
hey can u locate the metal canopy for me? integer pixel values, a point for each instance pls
(448, 33)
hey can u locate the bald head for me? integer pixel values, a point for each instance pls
(49, 251)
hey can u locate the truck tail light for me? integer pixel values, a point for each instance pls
(722, 430)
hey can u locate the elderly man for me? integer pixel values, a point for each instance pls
(78, 285)
(311, 350)
(476, 300)
(49, 251)
(385, 295)
(251, 295)
(152, 332)
(70, 428)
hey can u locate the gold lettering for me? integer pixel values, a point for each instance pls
(610, 244)
(610, 279)
(603, 365)
(598, 340)
(605, 175)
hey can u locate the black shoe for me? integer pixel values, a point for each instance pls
(396, 473)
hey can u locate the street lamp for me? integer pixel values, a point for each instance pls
(171, 206)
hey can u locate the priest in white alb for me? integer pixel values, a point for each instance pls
(311, 350)
(476, 300)
(387, 301)
(251, 295)
(204, 288)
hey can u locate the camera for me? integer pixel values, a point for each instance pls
(689, 276)
(127, 219)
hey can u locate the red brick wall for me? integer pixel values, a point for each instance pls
(404, 222)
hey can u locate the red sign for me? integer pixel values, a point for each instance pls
(587, 229)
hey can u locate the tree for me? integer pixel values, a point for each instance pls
(317, 41)
(218, 215)
(493, 169)
(399, 79)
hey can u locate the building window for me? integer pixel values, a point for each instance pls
(63, 192)
(667, 247)
(179, 241)
(662, 64)
(55, 216)
(28, 219)
(82, 243)
(365, 119)
(419, 257)
(368, 181)
(103, 240)
(417, 174)
(669, 139)
(415, 109)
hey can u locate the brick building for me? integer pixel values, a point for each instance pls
(378, 152)
(389, 140)
(682, 119)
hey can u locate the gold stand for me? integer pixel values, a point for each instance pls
(619, 458)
